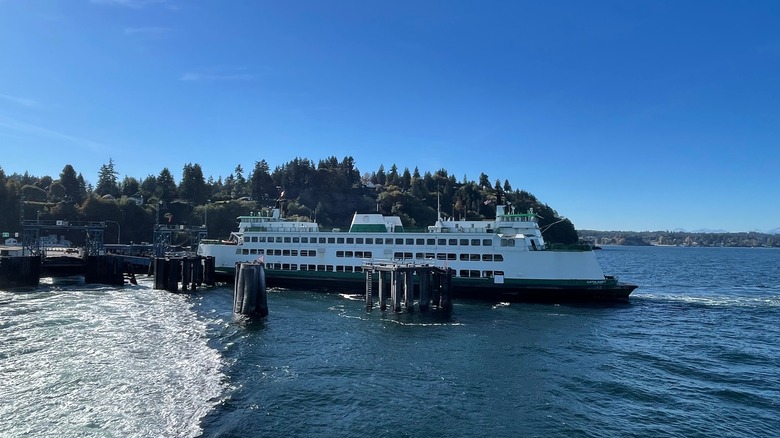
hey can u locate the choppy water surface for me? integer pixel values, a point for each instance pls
(694, 353)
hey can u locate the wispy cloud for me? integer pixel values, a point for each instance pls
(23, 101)
(134, 4)
(29, 129)
(151, 32)
(212, 77)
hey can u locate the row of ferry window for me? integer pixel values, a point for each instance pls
(369, 254)
(375, 241)
(303, 252)
(337, 268)
(449, 256)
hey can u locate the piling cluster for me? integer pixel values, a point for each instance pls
(190, 272)
(434, 286)
(249, 293)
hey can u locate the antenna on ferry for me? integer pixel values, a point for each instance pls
(438, 204)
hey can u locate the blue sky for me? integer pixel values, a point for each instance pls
(621, 115)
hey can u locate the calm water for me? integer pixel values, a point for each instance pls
(694, 353)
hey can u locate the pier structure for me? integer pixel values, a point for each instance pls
(32, 231)
(191, 271)
(164, 236)
(400, 278)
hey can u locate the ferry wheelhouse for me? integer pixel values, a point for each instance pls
(505, 258)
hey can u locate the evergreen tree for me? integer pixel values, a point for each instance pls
(406, 179)
(239, 186)
(381, 177)
(262, 186)
(70, 182)
(148, 186)
(166, 186)
(130, 186)
(193, 187)
(392, 177)
(484, 181)
(507, 187)
(107, 180)
(84, 189)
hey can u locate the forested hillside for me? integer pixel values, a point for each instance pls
(329, 191)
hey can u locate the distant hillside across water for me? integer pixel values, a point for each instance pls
(681, 238)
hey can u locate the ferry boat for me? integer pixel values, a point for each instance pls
(505, 258)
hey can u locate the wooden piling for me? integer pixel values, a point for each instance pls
(408, 277)
(104, 269)
(19, 271)
(425, 283)
(249, 292)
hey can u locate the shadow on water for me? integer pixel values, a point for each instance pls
(251, 323)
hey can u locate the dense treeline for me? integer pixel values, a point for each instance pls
(681, 238)
(329, 192)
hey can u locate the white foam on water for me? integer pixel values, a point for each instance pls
(99, 361)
